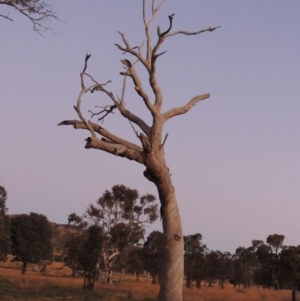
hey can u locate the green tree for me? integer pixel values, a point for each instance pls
(268, 260)
(4, 225)
(194, 252)
(153, 251)
(76, 220)
(73, 248)
(275, 241)
(135, 263)
(150, 150)
(290, 268)
(89, 256)
(225, 267)
(30, 237)
(268, 266)
(122, 216)
(36, 11)
(210, 267)
(245, 262)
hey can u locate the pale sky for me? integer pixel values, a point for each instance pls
(234, 159)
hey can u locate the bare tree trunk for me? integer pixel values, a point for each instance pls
(43, 269)
(172, 270)
(153, 279)
(24, 267)
(88, 282)
(188, 281)
(198, 283)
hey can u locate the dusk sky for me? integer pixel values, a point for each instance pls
(234, 158)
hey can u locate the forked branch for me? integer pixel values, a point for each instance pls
(6, 17)
(119, 104)
(107, 109)
(103, 132)
(132, 51)
(131, 72)
(147, 25)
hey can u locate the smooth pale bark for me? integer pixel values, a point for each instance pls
(172, 271)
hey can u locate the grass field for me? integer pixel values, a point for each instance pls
(57, 285)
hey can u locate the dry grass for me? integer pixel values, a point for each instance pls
(55, 286)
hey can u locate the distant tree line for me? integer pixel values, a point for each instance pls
(109, 237)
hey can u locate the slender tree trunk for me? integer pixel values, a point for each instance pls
(153, 279)
(43, 269)
(88, 282)
(198, 283)
(24, 267)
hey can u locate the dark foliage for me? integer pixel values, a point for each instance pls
(4, 225)
(153, 254)
(30, 237)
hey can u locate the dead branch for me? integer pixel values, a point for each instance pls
(6, 17)
(122, 100)
(135, 131)
(148, 24)
(37, 11)
(126, 113)
(107, 109)
(131, 72)
(82, 92)
(163, 144)
(192, 33)
(130, 50)
(155, 55)
(145, 143)
(171, 17)
(103, 132)
(182, 110)
(115, 149)
(100, 87)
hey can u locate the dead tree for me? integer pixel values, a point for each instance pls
(150, 152)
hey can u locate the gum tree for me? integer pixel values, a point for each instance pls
(4, 225)
(150, 151)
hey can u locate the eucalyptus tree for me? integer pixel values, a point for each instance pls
(135, 263)
(30, 238)
(245, 263)
(275, 241)
(73, 248)
(194, 257)
(289, 267)
(38, 12)
(150, 151)
(122, 215)
(4, 225)
(88, 257)
(153, 254)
